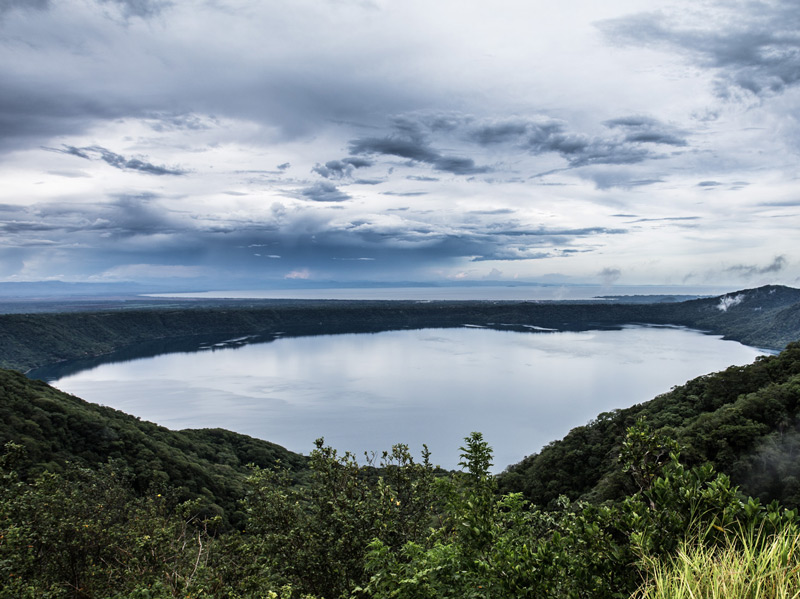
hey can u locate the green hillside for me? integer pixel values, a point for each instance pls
(56, 428)
(744, 420)
(766, 317)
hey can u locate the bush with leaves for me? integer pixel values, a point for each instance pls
(392, 528)
(315, 537)
(85, 534)
(505, 547)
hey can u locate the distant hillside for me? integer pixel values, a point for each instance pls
(55, 427)
(767, 317)
(745, 420)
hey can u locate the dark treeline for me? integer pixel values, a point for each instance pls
(767, 317)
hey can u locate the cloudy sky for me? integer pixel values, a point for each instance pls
(220, 143)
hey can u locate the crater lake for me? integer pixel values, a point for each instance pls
(366, 392)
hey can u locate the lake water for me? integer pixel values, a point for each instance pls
(365, 392)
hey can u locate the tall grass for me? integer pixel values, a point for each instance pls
(749, 565)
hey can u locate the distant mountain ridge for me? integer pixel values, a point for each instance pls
(766, 317)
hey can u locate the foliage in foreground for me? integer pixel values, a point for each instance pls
(749, 565)
(209, 465)
(401, 530)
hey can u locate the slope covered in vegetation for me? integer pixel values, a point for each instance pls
(766, 317)
(56, 428)
(408, 533)
(744, 420)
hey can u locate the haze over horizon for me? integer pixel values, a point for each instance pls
(224, 143)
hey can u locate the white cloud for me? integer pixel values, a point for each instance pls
(302, 273)
(133, 272)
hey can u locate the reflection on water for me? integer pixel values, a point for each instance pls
(365, 392)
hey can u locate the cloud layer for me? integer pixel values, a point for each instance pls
(260, 143)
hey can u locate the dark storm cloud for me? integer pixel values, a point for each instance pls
(178, 122)
(27, 113)
(617, 178)
(25, 227)
(413, 149)
(39, 102)
(417, 150)
(512, 131)
(69, 224)
(341, 169)
(655, 137)
(640, 129)
(124, 215)
(9, 5)
(324, 191)
(109, 70)
(140, 8)
(523, 244)
(493, 212)
(758, 50)
(410, 140)
(605, 152)
(510, 253)
(751, 270)
(459, 166)
(302, 240)
(406, 239)
(543, 135)
(559, 236)
(117, 160)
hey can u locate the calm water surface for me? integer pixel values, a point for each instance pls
(365, 392)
